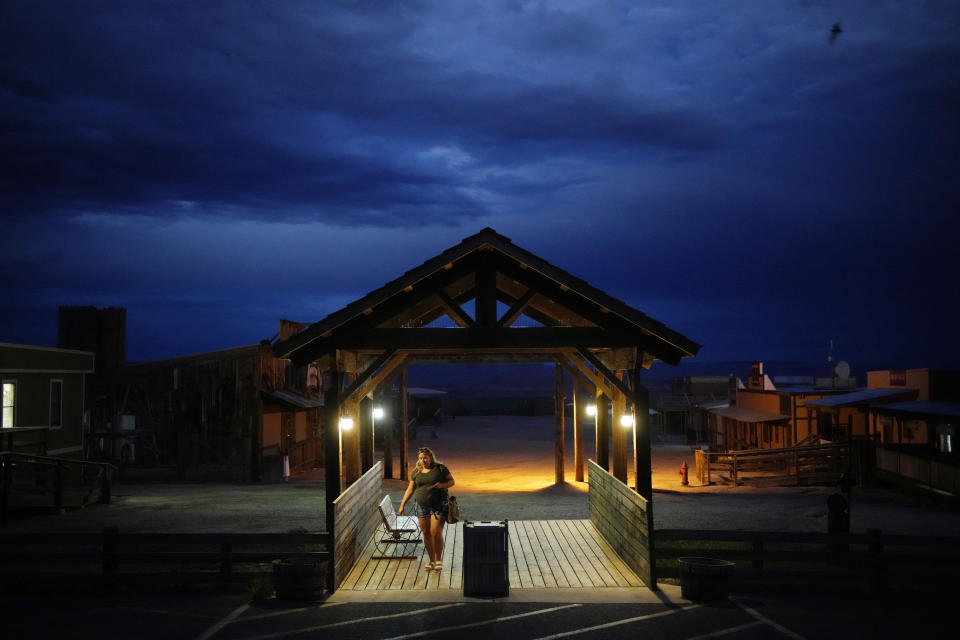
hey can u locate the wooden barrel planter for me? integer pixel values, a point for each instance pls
(300, 579)
(705, 578)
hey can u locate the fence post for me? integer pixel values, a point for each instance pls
(58, 492)
(226, 561)
(7, 470)
(110, 560)
(758, 553)
(875, 564)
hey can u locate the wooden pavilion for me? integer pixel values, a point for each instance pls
(600, 340)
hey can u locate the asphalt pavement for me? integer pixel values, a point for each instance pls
(234, 617)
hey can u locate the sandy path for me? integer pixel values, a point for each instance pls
(504, 469)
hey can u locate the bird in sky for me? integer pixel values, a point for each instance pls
(834, 32)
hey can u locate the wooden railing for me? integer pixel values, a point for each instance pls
(355, 516)
(624, 518)
(783, 466)
(44, 481)
(304, 455)
(871, 560)
(113, 558)
(932, 473)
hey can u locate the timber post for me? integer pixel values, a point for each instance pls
(558, 418)
(619, 433)
(577, 435)
(331, 438)
(641, 446)
(404, 411)
(365, 433)
(603, 431)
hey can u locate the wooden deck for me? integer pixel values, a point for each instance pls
(544, 554)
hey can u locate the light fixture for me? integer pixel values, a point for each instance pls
(626, 420)
(591, 409)
(377, 413)
(346, 423)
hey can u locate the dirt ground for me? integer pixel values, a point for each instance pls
(504, 469)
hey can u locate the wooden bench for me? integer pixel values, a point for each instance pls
(397, 536)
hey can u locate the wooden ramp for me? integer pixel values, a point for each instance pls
(544, 554)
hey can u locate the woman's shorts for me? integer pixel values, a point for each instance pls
(434, 509)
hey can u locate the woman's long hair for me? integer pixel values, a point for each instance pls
(429, 452)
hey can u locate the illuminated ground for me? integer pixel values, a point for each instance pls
(504, 467)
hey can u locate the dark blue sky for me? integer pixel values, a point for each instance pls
(721, 166)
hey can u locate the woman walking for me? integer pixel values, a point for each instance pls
(428, 485)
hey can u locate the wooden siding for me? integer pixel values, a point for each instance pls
(544, 554)
(624, 518)
(355, 518)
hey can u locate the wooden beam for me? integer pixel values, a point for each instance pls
(516, 310)
(404, 417)
(356, 384)
(310, 344)
(456, 313)
(479, 338)
(365, 433)
(619, 437)
(486, 300)
(592, 311)
(603, 431)
(578, 378)
(558, 419)
(606, 373)
(578, 457)
(600, 383)
(642, 439)
(331, 437)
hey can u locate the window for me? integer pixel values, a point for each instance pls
(9, 403)
(56, 404)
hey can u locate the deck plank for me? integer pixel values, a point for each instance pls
(588, 561)
(519, 571)
(624, 575)
(575, 573)
(542, 554)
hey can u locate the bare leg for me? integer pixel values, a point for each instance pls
(436, 532)
(427, 538)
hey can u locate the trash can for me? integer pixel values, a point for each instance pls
(705, 578)
(485, 552)
(299, 579)
(838, 519)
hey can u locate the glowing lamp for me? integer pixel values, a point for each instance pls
(626, 420)
(377, 413)
(591, 410)
(346, 423)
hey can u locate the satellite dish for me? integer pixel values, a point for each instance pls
(842, 370)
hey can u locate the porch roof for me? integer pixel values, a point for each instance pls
(743, 414)
(863, 397)
(921, 409)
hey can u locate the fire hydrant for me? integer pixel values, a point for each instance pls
(683, 473)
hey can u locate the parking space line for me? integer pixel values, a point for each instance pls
(727, 631)
(290, 632)
(616, 623)
(274, 614)
(220, 625)
(482, 622)
(759, 616)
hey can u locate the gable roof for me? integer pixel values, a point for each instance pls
(488, 264)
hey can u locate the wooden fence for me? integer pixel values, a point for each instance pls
(932, 473)
(49, 482)
(355, 518)
(873, 561)
(624, 518)
(112, 558)
(811, 464)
